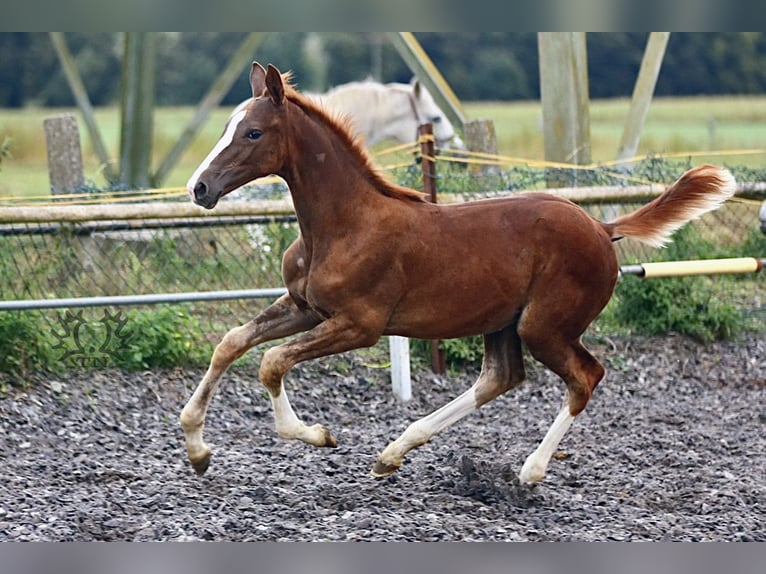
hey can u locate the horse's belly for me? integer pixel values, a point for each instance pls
(456, 311)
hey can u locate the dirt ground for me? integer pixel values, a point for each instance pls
(671, 448)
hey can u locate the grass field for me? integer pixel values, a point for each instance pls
(674, 125)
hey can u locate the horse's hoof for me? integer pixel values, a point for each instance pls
(329, 440)
(530, 476)
(320, 436)
(200, 465)
(382, 470)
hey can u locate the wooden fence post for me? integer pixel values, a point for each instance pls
(565, 101)
(62, 139)
(80, 95)
(479, 135)
(137, 107)
(642, 94)
(427, 154)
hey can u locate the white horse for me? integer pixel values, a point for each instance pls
(387, 112)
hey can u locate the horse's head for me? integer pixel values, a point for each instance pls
(426, 111)
(762, 217)
(252, 145)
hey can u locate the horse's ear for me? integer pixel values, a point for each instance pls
(416, 88)
(257, 79)
(275, 85)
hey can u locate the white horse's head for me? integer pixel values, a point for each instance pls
(380, 112)
(426, 111)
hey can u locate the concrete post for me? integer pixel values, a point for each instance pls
(62, 139)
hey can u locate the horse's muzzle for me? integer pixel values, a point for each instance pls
(203, 196)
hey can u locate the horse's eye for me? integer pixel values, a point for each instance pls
(254, 134)
(436, 119)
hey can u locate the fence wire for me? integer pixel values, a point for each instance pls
(734, 230)
(99, 258)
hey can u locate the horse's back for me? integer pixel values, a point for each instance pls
(530, 213)
(359, 99)
(497, 256)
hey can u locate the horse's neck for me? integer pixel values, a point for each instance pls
(326, 181)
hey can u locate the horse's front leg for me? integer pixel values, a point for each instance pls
(332, 336)
(281, 319)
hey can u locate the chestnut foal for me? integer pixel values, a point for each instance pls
(375, 259)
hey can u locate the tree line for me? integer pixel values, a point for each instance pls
(478, 66)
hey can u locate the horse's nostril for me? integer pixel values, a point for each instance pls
(200, 190)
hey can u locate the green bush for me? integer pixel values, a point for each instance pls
(166, 336)
(23, 346)
(684, 305)
(689, 306)
(458, 352)
(753, 246)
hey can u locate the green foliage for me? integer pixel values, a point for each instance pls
(457, 178)
(754, 244)
(458, 352)
(684, 305)
(164, 336)
(501, 66)
(688, 243)
(277, 237)
(23, 346)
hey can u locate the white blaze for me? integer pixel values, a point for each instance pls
(222, 144)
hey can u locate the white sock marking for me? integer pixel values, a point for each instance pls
(423, 429)
(534, 467)
(287, 423)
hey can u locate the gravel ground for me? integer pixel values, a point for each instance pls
(671, 448)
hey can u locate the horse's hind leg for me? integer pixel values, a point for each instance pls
(281, 319)
(581, 372)
(502, 369)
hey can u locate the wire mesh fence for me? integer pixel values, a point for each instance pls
(43, 261)
(56, 259)
(609, 190)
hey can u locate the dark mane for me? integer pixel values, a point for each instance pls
(340, 125)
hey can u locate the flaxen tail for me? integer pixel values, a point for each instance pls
(699, 190)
